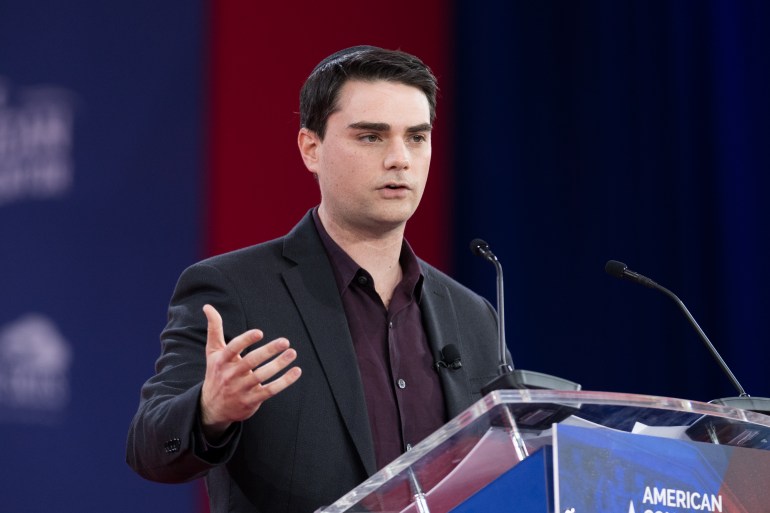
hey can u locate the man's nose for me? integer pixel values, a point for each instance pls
(397, 156)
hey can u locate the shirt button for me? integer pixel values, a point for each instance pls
(390, 325)
(362, 280)
(401, 384)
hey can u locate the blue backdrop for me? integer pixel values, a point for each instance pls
(634, 131)
(100, 137)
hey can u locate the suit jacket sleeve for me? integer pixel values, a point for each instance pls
(165, 441)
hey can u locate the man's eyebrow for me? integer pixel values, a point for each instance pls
(424, 127)
(385, 127)
(367, 125)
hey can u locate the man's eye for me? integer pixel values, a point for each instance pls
(370, 138)
(418, 138)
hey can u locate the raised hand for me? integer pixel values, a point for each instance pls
(235, 386)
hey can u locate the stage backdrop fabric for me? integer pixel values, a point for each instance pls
(634, 131)
(100, 172)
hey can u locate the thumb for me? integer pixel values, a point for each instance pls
(215, 335)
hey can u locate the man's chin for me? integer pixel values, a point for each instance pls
(387, 222)
(395, 218)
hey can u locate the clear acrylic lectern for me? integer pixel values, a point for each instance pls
(578, 451)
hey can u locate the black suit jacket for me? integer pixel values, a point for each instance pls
(311, 443)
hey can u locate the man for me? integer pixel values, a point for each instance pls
(342, 296)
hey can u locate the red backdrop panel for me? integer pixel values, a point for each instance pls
(258, 187)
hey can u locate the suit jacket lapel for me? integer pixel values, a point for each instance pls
(440, 322)
(311, 283)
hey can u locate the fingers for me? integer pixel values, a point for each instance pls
(215, 342)
(240, 343)
(284, 356)
(268, 387)
(237, 384)
(265, 352)
(280, 384)
(268, 361)
(263, 363)
(215, 336)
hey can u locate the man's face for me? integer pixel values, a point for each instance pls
(373, 163)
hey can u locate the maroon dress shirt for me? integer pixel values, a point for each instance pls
(404, 399)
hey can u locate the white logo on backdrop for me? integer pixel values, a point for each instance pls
(34, 367)
(36, 134)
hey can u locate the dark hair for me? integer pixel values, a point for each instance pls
(319, 95)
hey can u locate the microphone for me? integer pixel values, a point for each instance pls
(450, 358)
(510, 377)
(481, 248)
(743, 401)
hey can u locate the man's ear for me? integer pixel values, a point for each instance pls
(309, 145)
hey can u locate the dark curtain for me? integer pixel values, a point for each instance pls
(635, 131)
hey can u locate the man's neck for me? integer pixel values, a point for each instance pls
(377, 252)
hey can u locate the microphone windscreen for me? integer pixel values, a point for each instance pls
(477, 245)
(615, 268)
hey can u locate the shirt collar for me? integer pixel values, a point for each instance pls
(346, 269)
